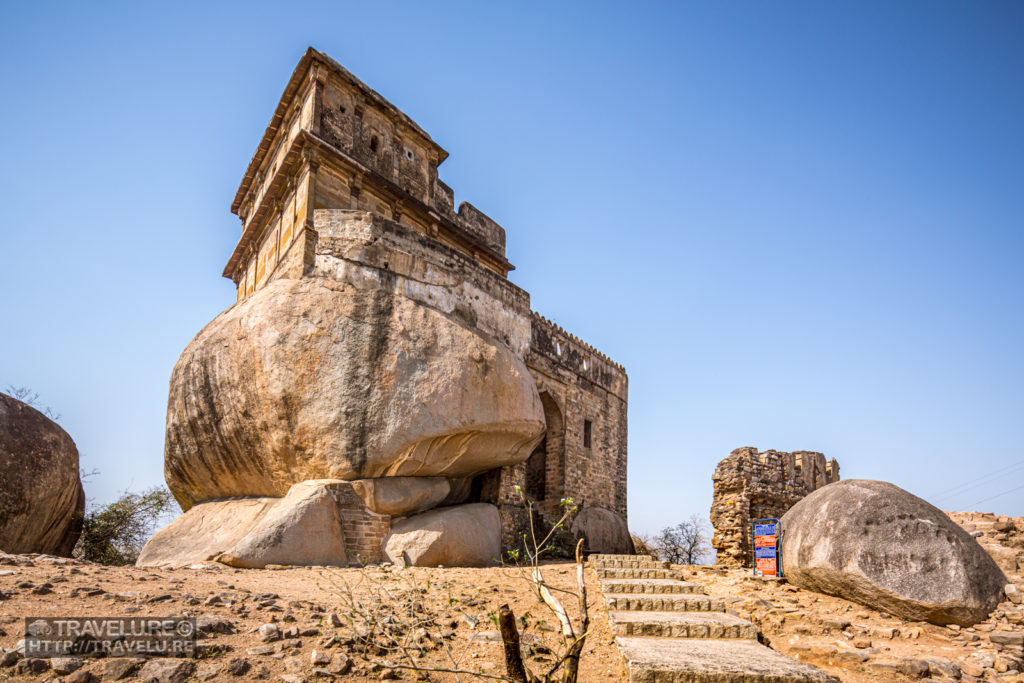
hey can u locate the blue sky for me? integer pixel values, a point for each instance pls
(798, 225)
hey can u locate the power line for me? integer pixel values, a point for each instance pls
(991, 498)
(978, 481)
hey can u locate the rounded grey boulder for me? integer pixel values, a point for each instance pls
(874, 543)
(604, 531)
(41, 497)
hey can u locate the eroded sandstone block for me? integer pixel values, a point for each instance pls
(876, 544)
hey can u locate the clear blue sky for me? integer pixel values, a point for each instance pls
(799, 225)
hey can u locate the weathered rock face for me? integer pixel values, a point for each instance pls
(302, 528)
(458, 536)
(41, 497)
(604, 531)
(753, 485)
(876, 544)
(318, 378)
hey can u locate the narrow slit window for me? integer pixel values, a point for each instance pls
(588, 429)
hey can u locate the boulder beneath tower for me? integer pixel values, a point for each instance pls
(874, 543)
(457, 536)
(41, 497)
(318, 378)
(302, 528)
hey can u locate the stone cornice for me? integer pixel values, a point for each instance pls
(310, 149)
(297, 83)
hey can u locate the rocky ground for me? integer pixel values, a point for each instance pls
(295, 624)
(857, 644)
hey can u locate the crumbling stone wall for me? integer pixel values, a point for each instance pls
(753, 485)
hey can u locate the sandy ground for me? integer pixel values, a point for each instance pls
(450, 625)
(452, 608)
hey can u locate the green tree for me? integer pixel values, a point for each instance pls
(115, 533)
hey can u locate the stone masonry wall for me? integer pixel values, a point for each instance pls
(364, 529)
(578, 385)
(752, 485)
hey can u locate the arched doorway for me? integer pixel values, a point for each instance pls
(545, 468)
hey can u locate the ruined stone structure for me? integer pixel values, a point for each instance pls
(376, 335)
(752, 485)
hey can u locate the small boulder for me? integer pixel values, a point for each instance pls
(873, 543)
(398, 496)
(604, 531)
(66, 665)
(458, 536)
(211, 623)
(41, 497)
(167, 670)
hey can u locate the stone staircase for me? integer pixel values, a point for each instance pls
(669, 631)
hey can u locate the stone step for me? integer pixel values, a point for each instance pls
(630, 573)
(630, 563)
(650, 586)
(681, 625)
(680, 660)
(662, 602)
(600, 557)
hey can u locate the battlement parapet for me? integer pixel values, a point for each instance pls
(566, 350)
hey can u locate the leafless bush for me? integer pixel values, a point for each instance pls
(29, 397)
(642, 544)
(684, 543)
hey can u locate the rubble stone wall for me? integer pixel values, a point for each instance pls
(753, 485)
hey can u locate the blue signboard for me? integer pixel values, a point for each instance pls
(767, 547)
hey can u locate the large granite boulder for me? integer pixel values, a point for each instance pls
(41, 497)
(459, 536)
(603, 530)
(302, 528)
(876, 544)
(324, 378)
